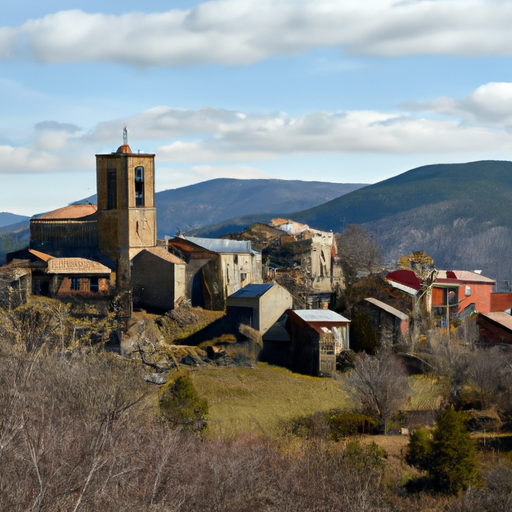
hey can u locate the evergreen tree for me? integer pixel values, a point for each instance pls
(182, 407)
(453, 463)
(418, 449)
(449, 457)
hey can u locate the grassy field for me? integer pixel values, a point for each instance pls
(256, 399)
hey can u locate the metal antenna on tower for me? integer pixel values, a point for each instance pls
(125, 135)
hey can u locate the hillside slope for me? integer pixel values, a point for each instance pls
(217, 200)
(461, 214)
(7, 219)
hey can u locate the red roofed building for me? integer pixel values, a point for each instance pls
(454, 293)
(457, 293)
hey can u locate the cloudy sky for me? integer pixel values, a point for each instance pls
(330, 90)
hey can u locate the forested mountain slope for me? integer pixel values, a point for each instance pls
(461, 214)
(217, 200)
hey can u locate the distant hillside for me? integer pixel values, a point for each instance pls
(6, 219)
(217, 200)
(460, 214)
(13, 237)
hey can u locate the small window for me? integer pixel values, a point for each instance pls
(139, 186)
(75, 283)
(94, 285)
(467, 291)
(111, 189)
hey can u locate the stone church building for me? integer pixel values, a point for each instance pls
(111, 249)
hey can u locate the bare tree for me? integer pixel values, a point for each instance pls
(379, 383)
(358, 252)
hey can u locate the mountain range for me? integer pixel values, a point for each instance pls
(7, 219)
(460, 214)
(206, 203)
(214, 201)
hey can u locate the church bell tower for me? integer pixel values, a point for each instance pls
(126, 207)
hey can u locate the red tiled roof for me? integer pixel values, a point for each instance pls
(76, 266)
(405, 277)
(462, 275)
(190, 249)
(70, 265)
(73, 211)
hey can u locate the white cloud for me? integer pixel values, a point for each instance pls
(263, 137)
(488, 104)
(55, 147)
(25, 160)
(235, 32)
(211, 138)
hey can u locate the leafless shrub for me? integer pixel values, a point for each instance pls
(379, 384)
(78, 433)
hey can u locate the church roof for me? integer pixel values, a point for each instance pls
(73, 211)
(165, 255)
(124, 148)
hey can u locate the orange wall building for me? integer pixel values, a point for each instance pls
(456, 293)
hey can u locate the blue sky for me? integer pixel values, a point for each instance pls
(328, 90)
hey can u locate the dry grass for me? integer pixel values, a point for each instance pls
(256, 399)
(427, 393)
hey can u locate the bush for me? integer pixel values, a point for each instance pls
(365, 458)
(453, 464)
(182, 407)
(418, 449)
(345, 361)
(334, 425)
(344, 424)
(449, 456)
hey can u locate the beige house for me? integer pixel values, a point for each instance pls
(158, 278)
(235, 266)
(65, 277)
(319, 261)
(259, 305)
